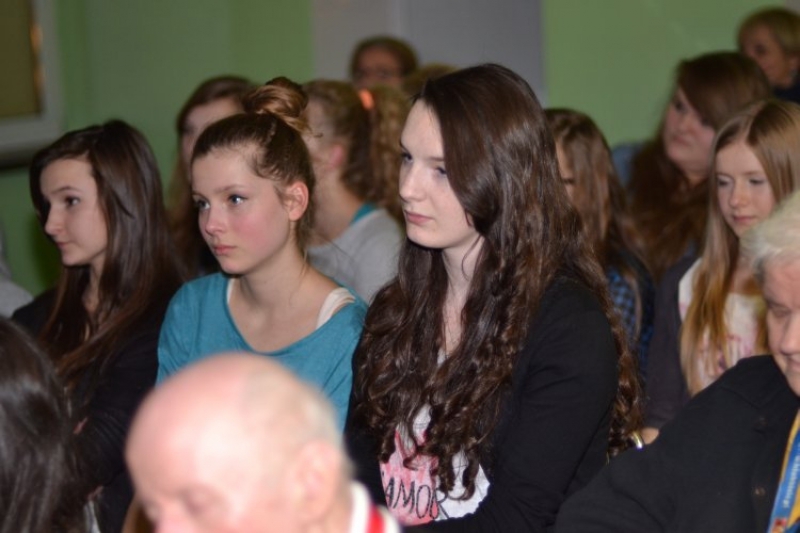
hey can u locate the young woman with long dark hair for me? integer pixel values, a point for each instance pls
(97, 193)
(493, 377)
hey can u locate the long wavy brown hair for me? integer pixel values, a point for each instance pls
(669, 213)
(771, 129)
(140, 273)
(501, 164)
(598, 195)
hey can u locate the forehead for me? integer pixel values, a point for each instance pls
(737, 157)
(421, 128)
(782, 281)
(67, 173)
(378, 56)
(222, 167)
(761, 33)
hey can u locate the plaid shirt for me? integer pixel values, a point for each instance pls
(624, 300)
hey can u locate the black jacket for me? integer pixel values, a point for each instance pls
(552, 434)
(715, 467)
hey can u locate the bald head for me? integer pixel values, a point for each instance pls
(225, 438)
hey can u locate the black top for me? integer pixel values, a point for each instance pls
(666, 388)
(552, 434)
(715, 467)
(108, 408)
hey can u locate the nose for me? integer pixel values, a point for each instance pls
(53, 222)
(739, 195)
(212, 220)
(790, 336)
(409, 183)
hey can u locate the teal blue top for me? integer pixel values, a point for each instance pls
(198, 324)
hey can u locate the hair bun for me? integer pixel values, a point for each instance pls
(282, 98)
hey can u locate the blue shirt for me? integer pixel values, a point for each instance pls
(198, 324)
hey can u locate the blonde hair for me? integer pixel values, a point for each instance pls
(368, 123)
(782, 23)
(771, 129)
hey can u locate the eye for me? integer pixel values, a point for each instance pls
(70, 201)
(441, 171)
(569, 182)
(757, 181)
(778, 311)
(678, 105)
(201, 204)
(235, 199)
(405, 158)
(723, 181)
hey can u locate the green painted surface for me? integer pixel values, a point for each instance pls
(614, 59)
(138, 61)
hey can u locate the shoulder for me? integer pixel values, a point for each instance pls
(674, 274)
(33, 316)
(349, 318)
(756, 380)
(565, 296)
(377, 226)
(203, 288)
(570, 328)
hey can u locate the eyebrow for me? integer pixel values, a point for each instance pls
(435, 159)
(219, 190)
(65, 188)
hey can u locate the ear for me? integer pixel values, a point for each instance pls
(295, 200)
(317, 479)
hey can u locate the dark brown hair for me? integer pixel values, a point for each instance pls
(37, 463)
(501, 165)
(271, 128)
(368, 123)
(669, 213)
(598, 195)
(139, 274)
(401, 50)
(189, 242)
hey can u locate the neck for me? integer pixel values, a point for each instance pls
(274, 284)
(335, 208)
(460, 266)
(91, 294)
(694, 177)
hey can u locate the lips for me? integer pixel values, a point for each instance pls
(415, 218)
(740, 220)
(221, 249)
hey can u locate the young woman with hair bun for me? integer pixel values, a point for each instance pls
(354, 147)
(253, 184)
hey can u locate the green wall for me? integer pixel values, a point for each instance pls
(139, 60)
(614, 59)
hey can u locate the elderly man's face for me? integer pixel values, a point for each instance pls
(782, 293)
(215, 482)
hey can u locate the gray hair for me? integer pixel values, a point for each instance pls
(775, 239)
